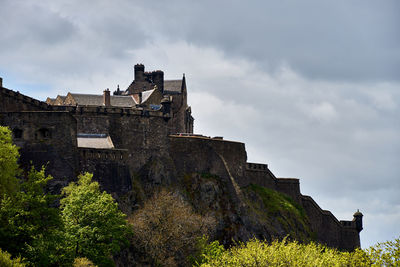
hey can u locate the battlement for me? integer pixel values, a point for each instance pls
(256, 166)
(15, 101)
(119, 155)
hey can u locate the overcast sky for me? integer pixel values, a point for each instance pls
(311, 87)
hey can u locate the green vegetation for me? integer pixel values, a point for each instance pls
(276, 202)
(9, 168)
(6, 261)
(258, 253)
(94, 226)
(87, 224)
(29, 225)
(273, 204)
(386, 253)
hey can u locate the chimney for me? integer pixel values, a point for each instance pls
(158, 79)
(1, 82)
(106, 98)
(139, 72)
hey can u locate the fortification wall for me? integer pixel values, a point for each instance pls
(206, 155)
(259, 174)
(109, 168)
(45, 138)
(142, 133)
(15, 101)
(323, 223)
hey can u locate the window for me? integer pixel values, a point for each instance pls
(43, 133)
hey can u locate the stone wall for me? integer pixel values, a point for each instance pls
(15, 101)
(45, 139)
(109, 168)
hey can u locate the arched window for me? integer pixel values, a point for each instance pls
(17, 133)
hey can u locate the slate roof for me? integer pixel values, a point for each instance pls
(97, 100)
(95, 141)
(173, 86)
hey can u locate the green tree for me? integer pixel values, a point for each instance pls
(94, 226)
(9, 168)
(30, 225)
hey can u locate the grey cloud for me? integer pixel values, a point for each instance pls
(349, 40)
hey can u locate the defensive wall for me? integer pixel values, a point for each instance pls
(45, 139)
(47, 135)
(227, 159)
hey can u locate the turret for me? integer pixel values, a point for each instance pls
(139, 72)
(358, 219)
(166, 105)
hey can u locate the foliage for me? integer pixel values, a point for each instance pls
(29, 224)
(259, 253)
(94, 226)
(207, 251)
(9, 168)
(83, 262)
(6, 261)
(166, 229)
(386, 253)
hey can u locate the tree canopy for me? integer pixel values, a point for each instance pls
(9, 168)
(94, 226)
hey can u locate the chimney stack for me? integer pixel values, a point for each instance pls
(1, 82)
(139, 72)
(106, 98)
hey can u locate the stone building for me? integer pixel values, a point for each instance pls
(144, 135)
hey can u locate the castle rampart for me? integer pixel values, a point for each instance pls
(142, 141)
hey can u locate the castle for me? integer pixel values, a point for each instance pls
(146, 133)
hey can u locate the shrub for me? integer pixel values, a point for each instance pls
(283, 253)
(83, 262)
(6, 261)
(166, 229)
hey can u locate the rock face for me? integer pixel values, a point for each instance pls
(211, 174)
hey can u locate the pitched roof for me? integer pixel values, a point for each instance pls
(173, 86)
(95, 141)
(97, 100)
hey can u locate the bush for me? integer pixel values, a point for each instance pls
(166, 229)
(283, 253)
(386, 253)
(6, 261)
(83, 262)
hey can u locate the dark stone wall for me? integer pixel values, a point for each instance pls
(48, 139)
(206, 155)
(109, 168)
(143, 134)
(15, 101)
